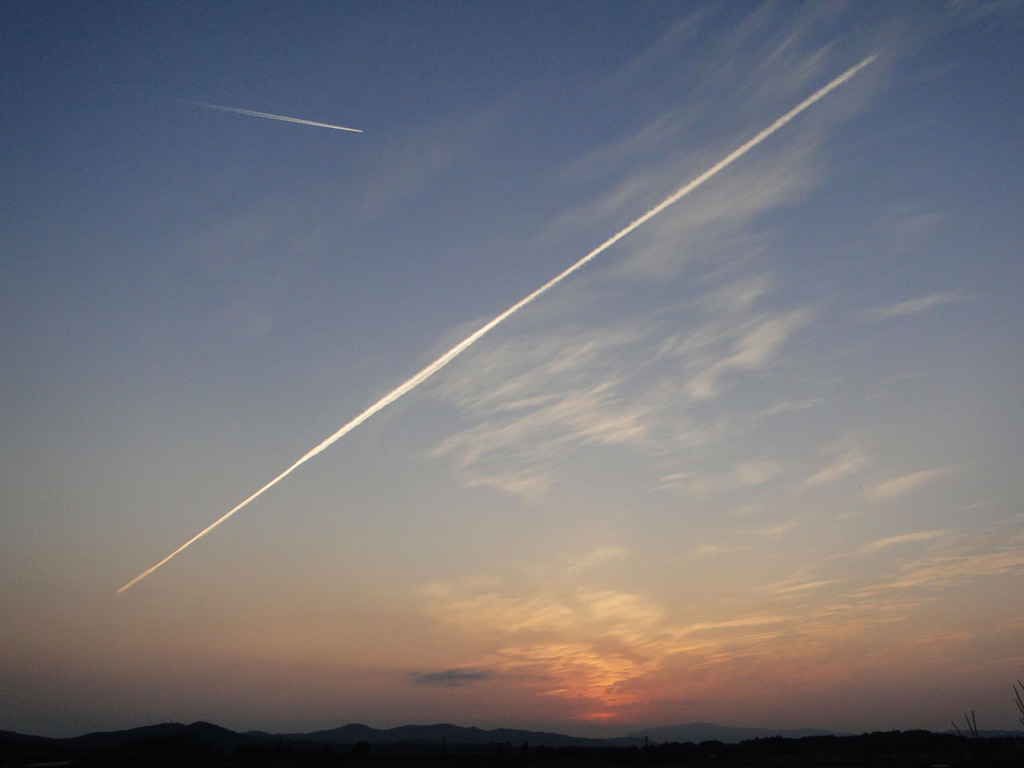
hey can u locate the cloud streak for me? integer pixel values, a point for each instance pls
(905, 538)
(463, 345)
(453, 678)
(913, 306)
(270, 116)
(538, 399)
(897, 486)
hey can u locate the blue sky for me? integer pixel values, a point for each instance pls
(758, 463)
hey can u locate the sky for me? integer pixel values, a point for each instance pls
(757, 463)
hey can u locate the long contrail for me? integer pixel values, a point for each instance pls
(268, 115)
(463, 345)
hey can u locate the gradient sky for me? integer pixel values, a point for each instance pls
(760, 463)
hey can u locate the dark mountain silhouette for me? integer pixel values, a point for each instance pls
(200, 732)
(197, 739)
(171, 745)
(455, 734)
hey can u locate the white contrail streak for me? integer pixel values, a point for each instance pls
(463, 345)
(270, 116)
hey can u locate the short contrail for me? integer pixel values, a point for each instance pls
(463, 345)
(249, 112)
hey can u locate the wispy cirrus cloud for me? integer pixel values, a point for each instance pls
(752, 350)
(897, 613)
(943, 570)
(904, 538)
(744, 474)
(672, 138)
(902, 484)
(955, 559)
(632, 384)
(800, 589)
(597, 557)
(656, 382)
(848, 463)
(846, 456)
(913, 306)
(941, 559)
(533, 401)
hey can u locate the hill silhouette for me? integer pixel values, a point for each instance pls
(170, 745)
(460, 735)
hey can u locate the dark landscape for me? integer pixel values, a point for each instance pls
(206, 744)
